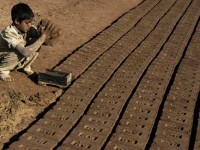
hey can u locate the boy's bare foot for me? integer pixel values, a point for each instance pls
(5, 77)
(28, 71)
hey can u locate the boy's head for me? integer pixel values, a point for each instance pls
(22, 16)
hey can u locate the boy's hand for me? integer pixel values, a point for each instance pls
(49, 29)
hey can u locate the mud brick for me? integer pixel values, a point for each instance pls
(88, 56)
(157, 96)
(139, 116)
(109, 40)
(97, 45)
(94, 128)
(102, 65)
(178, 105)
(124, 73)
(21, 145)
(179, 112)
(129, 68)
(184, 83)
(117, 96)
(175, 135)
(74, 62)
(80, 92)
(69, 118)
(98, 121)
(63, 109)
(153, 80)
(129, 141)
(108, 101)
(112, 115)
(142, 109)
(54, 124)
(114, 85)
(102, 106)
(143, 102)
(123, 47)
(181, 87)
(99, 78)
(88, 82)
(90, 50)
(33, 139)
(177, 119)
(85, 87)
(94, 138)
(47, 132)
(138, 67)
(124, 80)
(97, 74)
(108, 56)
(135, 132)
(65, 147)
(171, 143)
(78, 144)
(73, 100)
(96, 68)
(56, 78)
(125, 91)
(146, 97)
(155, 146)
(168, 125)
(77, 57)
(135, 123)
(113, 145)
(186, 94)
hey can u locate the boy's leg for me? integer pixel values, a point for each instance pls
(28, 62)
(7, 63)
(4, 75)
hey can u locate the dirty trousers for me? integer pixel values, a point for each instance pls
(12, 61)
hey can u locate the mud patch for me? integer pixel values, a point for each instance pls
(17, 110)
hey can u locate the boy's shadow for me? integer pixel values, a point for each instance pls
(33, 77)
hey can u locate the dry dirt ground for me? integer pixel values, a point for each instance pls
(22, 99)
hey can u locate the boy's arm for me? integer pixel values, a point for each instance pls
(28, 50)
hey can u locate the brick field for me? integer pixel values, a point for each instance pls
(136, 86)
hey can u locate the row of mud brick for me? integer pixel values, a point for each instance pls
(120, 86)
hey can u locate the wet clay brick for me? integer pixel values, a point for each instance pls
(47, 132)
(129, 141)
(21, 145)
(95, 138)
(170, 143)
(33, 139)
(118, 146)
(69, 118)
(94, 128)
(98, 121)
(54, 124)
(174, 126)
(74, 143)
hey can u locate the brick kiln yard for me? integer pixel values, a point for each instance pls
(136, 78)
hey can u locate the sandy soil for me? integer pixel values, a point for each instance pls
(22, 99)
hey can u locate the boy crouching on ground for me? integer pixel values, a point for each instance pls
(20, 42)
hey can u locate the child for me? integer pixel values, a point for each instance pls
(20, 42)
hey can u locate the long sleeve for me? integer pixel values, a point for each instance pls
(28, 50)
